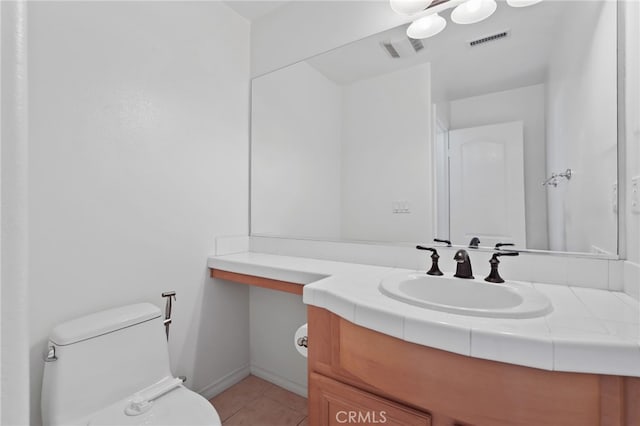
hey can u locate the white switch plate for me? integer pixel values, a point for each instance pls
(635, 195)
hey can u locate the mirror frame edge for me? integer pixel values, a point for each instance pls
(621, 83)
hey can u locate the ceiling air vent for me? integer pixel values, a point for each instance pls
(391, 50)
(402, 48)
(416, 44)
(487, 39)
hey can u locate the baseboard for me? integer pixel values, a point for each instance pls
(225, 382)
(279, 381)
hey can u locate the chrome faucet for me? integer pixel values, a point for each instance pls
(463, 265)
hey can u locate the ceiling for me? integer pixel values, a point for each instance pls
(253, 10)
(458, 70)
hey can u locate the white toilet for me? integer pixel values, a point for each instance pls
(112, 368)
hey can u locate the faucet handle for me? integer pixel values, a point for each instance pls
(447, 242)
(474, 243)
(494, 276)
(431, 249)
(435, 270)
(505, 253)
(498, 245)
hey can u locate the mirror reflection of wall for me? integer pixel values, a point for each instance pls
(347, 160)
(446, 137)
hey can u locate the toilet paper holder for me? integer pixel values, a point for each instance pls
(302, 341)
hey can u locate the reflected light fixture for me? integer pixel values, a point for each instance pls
(409, 7)
(464, 12)
(522, 3)
(426, 27)
(472, 11)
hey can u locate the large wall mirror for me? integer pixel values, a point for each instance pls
(505, 130)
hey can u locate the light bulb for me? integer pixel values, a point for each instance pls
(522, 3)
(472, 11)
(426, 27)
(409, 7)
(473, 6)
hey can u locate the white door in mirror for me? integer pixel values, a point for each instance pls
(487, 184)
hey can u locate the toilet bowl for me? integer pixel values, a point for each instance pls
(112, 368)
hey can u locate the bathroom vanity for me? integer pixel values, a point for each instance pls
(354, 369)
(376, 360)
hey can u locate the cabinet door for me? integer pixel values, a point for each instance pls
(333, 403)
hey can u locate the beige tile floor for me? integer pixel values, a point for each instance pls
(256, 402)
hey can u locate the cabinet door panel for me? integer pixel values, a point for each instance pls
(334, 404)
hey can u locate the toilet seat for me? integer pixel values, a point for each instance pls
(179, 407)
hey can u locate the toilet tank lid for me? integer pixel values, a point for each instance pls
(103, 322)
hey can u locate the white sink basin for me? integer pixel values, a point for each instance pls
(467, 297)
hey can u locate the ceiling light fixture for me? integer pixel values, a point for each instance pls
(522, 3)
(409, 7)
(472, 11)
(426, 27)
(429, 23)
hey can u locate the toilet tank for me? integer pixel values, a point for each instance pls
(102, 358)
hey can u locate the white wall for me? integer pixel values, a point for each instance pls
(295, 154)
(301, 29)
(581, 93)
(14, 342)
(526, 104)
(275, 317)
(138, 158)
(386, 157)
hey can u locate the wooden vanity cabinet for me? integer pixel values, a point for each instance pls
(342, 404)
(354, 369)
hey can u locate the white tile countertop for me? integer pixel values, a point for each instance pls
(589, 330)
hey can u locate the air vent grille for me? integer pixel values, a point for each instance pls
(391, 50)
(487, 39)
(416, 44)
